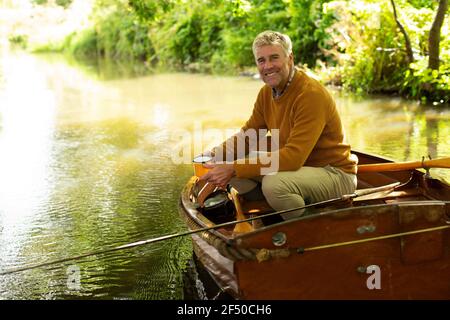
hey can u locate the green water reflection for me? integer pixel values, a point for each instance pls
(89, 161)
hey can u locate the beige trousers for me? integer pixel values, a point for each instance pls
(290, 189)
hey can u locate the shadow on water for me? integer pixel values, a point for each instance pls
(88, 163)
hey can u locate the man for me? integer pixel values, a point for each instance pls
(315, 163)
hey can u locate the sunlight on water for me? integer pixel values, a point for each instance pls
(27, 125)
(87, 162)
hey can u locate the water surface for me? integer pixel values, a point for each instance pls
(90, 156)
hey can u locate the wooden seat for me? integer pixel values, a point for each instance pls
(256, 207)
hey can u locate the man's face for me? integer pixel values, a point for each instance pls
(273, 65)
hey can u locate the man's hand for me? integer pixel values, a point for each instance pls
(219, 175)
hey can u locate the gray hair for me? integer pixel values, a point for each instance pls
(269, 37)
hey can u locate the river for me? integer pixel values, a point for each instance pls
(93, 156)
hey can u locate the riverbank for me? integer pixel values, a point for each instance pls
(89, 162)
(358, 48)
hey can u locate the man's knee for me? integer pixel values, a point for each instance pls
(280, 195)
(271, 186)
(275, 186)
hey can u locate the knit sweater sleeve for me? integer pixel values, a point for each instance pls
(308, 119)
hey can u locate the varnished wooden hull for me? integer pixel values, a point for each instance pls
(404, 238)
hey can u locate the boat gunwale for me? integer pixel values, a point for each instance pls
(187, 209)
(192, 212)
(329, 213)
(238, 237)
(339, 212)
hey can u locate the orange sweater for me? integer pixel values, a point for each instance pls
(310, 129)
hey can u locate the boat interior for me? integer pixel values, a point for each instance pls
(373, 188)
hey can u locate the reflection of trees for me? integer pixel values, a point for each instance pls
(425, 141)
(410, 120)
(432, 134)
(428, 135)
(395, 128)
(110, 189)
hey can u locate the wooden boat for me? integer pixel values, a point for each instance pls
(391, 244)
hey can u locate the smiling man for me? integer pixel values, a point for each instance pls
(314, 162)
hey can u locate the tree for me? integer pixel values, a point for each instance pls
(435, 35)
(409, 52)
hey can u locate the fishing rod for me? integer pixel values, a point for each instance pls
(343, 198)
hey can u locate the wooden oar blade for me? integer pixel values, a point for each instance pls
(243, 226)
(438, 163)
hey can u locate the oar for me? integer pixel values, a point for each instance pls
(398, 166)
(217, 226)
(240, 227)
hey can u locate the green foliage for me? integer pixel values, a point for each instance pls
(423, 3)
(268, 15)
(237, 51)
(186, 42)
(39, 2)
(64, 3)
(82, 44)
(198, 34)
(121, 36)
(370, 51)
(356, 43)
(308, 29)
(426, 84)
(367, 46)
(215, 33)
(117, 33)
(149, 10)
(19, 40)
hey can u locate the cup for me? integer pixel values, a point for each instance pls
(198, 162)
